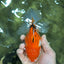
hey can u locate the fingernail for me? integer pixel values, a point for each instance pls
(19, 51)
(44, 37)
(22, 37)
(22, 45)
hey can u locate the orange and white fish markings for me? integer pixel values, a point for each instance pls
(33, 43)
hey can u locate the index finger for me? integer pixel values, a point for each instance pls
(45, 45)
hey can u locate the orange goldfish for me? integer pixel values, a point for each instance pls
(32, 41)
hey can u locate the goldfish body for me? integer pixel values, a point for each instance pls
(32, 41)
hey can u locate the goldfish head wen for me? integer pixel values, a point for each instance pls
(32, 41)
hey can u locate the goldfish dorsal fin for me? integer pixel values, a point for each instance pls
(32, 20)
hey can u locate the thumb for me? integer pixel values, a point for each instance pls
(45, 45)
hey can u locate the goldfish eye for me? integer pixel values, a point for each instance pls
(39, 42)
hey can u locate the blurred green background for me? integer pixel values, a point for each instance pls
(11, 18)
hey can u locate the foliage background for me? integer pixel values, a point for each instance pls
(52, 13)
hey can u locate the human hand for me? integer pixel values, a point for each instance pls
(47, 56)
